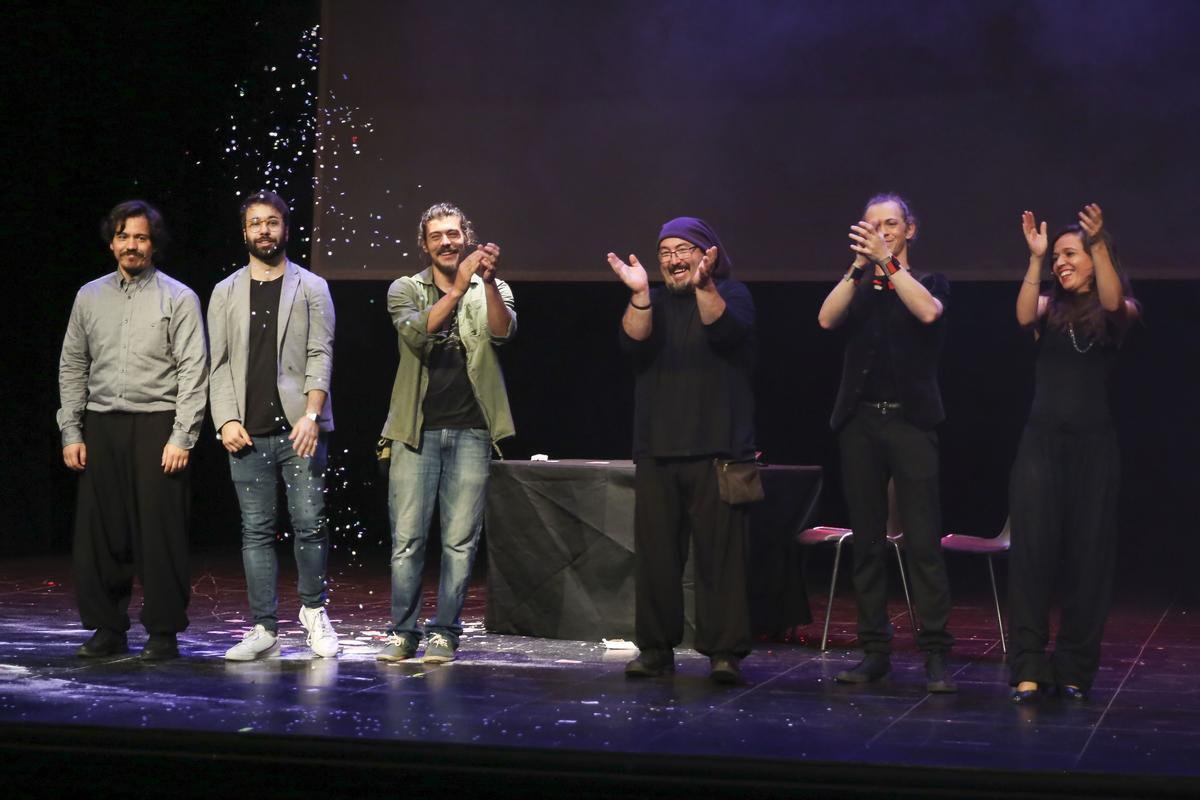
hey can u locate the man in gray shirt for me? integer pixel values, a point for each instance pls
(131, 380)
(271, 325)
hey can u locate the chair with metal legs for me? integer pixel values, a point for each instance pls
(979, 545)
(825, 534)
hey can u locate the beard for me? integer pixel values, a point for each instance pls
(265, 249)
(137, 267)
(685, 287)
(448, 271)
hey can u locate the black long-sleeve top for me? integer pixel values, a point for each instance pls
(694, 383)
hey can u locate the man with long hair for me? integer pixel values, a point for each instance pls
(886, 413)
(449, 407)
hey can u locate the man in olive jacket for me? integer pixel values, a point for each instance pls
(448, 409)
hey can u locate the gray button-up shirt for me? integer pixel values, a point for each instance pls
(134, 346)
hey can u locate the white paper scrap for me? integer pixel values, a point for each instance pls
(619, 644)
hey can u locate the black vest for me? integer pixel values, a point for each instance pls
(915, 349)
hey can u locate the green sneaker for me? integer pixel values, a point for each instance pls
(439, 649)
(396, 648)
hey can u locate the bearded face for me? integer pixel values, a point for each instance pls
(265, 233)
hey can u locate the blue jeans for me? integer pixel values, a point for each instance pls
(256, 470)
(449, 468)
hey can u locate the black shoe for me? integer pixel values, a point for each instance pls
(1026, 697)
(1072, 693)
(160, 647)
(103, 643)
(725, 670)
(935, 673)
(874, 667)
(651, 664)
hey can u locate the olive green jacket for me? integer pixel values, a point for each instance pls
(408, 301)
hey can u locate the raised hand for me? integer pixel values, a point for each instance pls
(466, 268)
(703, 275)
(633, 274)
(1091, 219)
(1035, 237)
(868, 242)
(488, 261)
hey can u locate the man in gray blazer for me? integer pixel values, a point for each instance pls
(270, 326)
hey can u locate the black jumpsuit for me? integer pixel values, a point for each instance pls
(1063, 501)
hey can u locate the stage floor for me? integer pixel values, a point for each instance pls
(516, 692)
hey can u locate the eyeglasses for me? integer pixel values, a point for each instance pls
(681, 252)
(271, 223)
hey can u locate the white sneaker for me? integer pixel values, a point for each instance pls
(322, 638)
(258, 643)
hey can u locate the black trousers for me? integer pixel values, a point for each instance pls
(674, 500)
(131, 519)
(1063, 502)
(878, 446)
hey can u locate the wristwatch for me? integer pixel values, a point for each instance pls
(313, 416)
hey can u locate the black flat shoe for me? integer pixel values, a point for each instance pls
(102, 644)
(1026, 696)
(1072, 693)
(160, 647)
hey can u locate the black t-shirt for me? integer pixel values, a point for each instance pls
(450, 402)
(880, 384)
(694, 390)
(264, 411)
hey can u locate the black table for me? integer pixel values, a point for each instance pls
(560, 550)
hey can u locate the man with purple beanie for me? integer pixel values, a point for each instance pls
(693, 349)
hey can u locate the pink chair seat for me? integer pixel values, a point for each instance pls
(979, 545)
(822, 534)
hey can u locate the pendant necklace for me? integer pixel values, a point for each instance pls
(1074, 343)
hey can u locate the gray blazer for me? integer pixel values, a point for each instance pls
(304, 345)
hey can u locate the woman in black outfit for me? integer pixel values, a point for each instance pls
(1063, 490)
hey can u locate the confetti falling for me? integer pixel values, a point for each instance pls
(271, 139)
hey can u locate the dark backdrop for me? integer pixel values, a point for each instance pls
(602, 115)
(140, 101)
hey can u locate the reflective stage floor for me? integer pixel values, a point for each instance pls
(517, 715)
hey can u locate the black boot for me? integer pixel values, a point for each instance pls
(935, 674)
(103, 643)
(651, 664)
(874, 667)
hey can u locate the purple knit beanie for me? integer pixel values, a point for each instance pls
(697, 231)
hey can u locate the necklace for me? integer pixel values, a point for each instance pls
(1075, 344)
